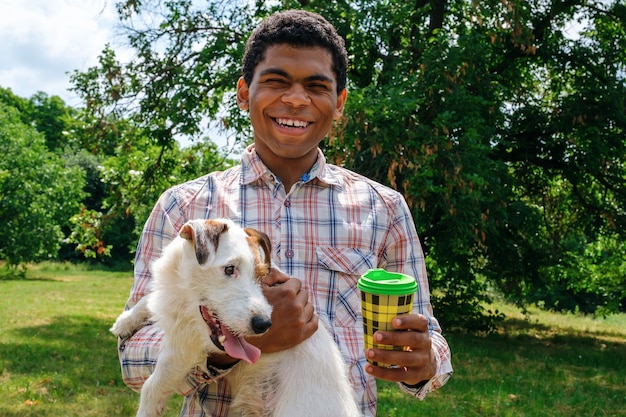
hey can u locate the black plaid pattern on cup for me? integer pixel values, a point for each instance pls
(378, 311)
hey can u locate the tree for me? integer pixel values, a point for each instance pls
(48, 114)
(38, 192)
(504, 131)
(506, 150)
(53, 118)
(126, 173)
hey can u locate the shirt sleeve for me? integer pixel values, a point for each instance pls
(404, 254)
(138, 354)
(444, 369)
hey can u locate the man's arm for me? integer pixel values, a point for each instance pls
(426, 365)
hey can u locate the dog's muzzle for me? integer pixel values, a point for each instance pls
(235, 346)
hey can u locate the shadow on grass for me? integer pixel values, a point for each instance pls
(65, 354)
(52, 271)
(519, 326)
(26, 278)
(535, 368)
(65, 368)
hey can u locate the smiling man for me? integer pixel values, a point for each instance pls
(292, 98)
(327, 225)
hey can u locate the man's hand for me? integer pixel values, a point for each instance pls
(293, 316)
(414, 365)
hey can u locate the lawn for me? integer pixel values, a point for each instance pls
(58, 359)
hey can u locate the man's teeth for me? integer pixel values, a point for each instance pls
(291, 122)
(221, 338)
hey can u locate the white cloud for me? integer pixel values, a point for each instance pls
(42, 41)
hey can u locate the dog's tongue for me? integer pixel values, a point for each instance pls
(238, 348)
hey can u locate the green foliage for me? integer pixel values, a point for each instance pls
(502, 123)
(49, 115)
(121, 172)
(86, 234)
(506, 137)
(186, 61)
(38, 192)
(139, 171)
(52, 118)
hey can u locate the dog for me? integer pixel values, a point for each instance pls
(206, 296)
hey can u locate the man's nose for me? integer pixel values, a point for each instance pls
(296, 96)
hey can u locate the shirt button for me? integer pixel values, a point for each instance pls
(287, 203)
(289, 253)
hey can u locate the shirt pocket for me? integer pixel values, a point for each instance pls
(344, 266)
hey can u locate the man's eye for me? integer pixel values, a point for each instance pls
(229, 270)
(322, 87)
(275, 81)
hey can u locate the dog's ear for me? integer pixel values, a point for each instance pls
(258, 239)
(261, 239)
(204, 235)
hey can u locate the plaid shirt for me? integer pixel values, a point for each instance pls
(331, 228)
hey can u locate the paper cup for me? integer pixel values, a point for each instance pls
(384, 295)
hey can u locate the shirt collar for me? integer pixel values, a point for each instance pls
(253, 169)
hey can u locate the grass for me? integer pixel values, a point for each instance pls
(538, 364)
(58, 359)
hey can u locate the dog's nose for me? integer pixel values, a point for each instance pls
(260, 324)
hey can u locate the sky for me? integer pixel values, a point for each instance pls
(43, 41)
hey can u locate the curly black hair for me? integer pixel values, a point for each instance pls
(298, 28)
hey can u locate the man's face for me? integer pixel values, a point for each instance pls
(292, 101)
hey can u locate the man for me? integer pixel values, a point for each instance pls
(327, 225)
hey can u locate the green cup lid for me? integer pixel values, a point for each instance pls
(379, 281)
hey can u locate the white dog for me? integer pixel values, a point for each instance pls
(206, 296)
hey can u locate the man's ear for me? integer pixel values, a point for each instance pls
(341, 102)
(242, 94)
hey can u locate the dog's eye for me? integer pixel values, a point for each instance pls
(229, 270)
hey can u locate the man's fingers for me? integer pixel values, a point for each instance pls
(416, 322)
(275, 277)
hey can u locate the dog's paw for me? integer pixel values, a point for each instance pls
(126, 325)
(132, 320)
(119, 329)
